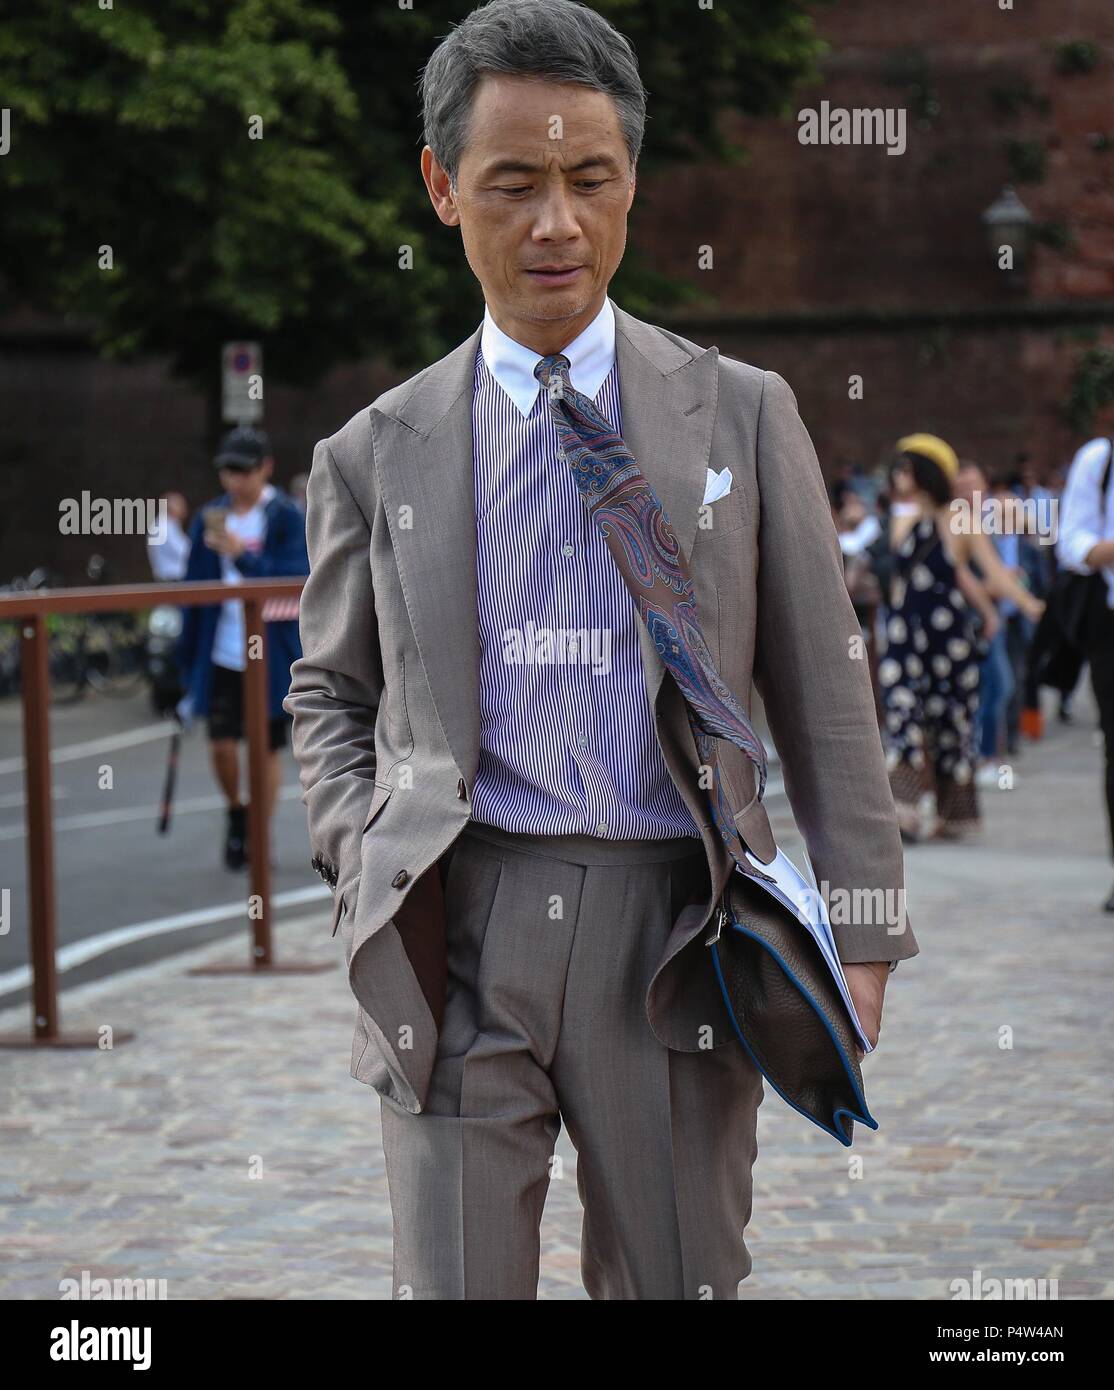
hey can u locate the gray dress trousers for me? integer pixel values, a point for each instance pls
(552, 942)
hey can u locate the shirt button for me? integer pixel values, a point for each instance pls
(567, 549)
(601, 829)
(400, 879)
(583, 740)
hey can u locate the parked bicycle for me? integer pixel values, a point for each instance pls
(104, 652)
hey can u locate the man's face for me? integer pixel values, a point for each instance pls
(244, 485)
(545, 180)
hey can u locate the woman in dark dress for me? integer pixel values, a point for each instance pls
(930, 672)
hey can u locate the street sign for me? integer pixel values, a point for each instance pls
(242, 383)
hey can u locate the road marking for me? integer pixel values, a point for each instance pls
(14, 799)
(69, 957)
(90, 819)
(146, 733)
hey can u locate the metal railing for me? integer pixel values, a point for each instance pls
(30, 611)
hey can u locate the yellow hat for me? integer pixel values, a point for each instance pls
(931, 446)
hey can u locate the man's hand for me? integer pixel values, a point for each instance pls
(867, 982)
(227, 543)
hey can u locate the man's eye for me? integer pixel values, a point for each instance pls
(588, 185)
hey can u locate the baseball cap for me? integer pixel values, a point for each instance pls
(243, 447)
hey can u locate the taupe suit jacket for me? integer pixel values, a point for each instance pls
(385, 698)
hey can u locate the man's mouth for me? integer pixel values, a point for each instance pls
(555, 275)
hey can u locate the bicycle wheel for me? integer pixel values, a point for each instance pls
(114, 652)
(66, 664)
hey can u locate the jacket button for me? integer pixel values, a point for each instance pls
(461, 789)
(401, 878)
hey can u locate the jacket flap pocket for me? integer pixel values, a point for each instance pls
(378, 801)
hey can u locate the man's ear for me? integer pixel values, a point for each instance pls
(439, 189)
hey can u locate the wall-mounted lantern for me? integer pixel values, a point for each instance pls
(1009, 233)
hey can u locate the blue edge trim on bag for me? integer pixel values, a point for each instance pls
(865, 1117)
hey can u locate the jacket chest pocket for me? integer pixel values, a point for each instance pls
(722, 517)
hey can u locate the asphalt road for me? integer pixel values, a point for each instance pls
(113, 870)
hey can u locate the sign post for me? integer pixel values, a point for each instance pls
(242, 384)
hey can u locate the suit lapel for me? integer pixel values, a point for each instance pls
(423, 457)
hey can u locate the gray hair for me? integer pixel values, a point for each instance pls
(555, 39)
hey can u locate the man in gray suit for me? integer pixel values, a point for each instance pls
(501, 781)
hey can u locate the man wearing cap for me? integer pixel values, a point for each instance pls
(252, 530)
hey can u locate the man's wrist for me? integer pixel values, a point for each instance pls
(882, 968)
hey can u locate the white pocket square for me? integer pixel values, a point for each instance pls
(718, 485)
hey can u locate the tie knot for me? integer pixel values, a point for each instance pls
(553, 373)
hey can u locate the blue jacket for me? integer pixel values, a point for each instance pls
(284, 555)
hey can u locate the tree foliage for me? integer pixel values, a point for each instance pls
(131, 125)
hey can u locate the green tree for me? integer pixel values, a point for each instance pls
(253, 166)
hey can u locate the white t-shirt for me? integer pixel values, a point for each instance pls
(1086, 517)
(169, 555)
(229, 640)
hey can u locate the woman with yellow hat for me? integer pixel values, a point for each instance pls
(930, 671)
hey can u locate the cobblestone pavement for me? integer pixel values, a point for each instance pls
(226, 1149)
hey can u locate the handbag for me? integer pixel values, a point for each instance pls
(786, 1007)
(1053, 660)
(1058, 649)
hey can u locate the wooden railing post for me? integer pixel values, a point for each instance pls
(257, 727)
(31, 611)
(35, 694)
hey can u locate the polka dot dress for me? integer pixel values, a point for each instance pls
(930, 682)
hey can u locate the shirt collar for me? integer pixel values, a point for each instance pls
(591, 356)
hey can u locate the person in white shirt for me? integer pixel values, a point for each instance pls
(252, 531)
(1085, 544)
(168, 546)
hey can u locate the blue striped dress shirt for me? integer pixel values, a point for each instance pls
(567, 741)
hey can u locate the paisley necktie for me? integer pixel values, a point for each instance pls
(643, 544)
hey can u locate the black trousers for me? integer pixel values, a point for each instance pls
(1018, 636)
(1100, 653)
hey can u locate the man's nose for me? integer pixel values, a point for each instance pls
(557, 219)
